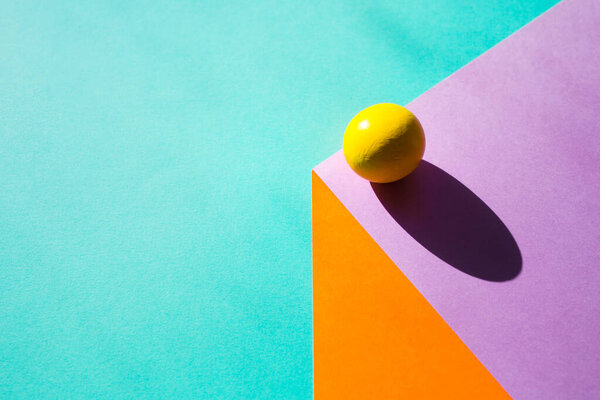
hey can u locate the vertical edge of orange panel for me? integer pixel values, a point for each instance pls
(374, 335)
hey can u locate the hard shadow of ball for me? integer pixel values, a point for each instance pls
(450, 221)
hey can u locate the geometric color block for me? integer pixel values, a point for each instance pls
(375, 335)
(499, 229)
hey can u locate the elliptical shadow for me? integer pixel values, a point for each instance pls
(450, 221)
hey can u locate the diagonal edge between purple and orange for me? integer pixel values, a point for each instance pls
(518, 128)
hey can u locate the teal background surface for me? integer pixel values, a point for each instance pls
(155, 157)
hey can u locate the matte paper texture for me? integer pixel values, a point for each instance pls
(155, 157)
(375, 336)
(518, 129)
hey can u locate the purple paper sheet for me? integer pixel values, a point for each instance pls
(520, 128)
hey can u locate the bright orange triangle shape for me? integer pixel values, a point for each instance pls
(375, 335)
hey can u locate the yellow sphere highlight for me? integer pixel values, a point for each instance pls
(384, 143)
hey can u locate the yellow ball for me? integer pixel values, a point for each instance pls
(384, 143)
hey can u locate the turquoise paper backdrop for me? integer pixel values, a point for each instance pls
(155, 235)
